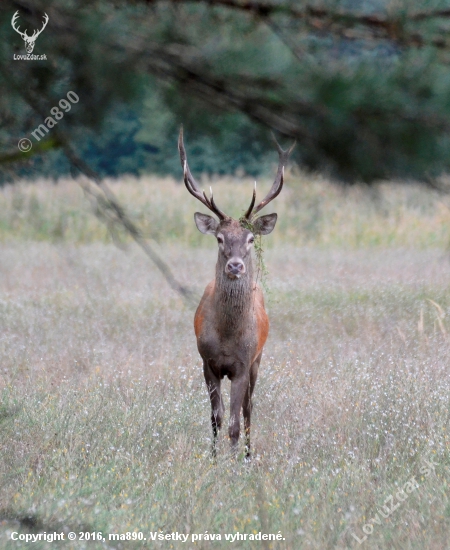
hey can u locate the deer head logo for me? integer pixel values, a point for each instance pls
(29, 40)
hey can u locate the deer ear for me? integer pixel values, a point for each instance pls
(206, 224)
(265, 224)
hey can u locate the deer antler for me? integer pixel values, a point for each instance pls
(13, 23)
(24, 34)
(192, 186)
(37, 33)
(277, 185)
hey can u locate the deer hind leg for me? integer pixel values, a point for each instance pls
(217, 408)
(247, 404)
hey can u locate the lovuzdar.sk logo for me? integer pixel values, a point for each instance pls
(29, 40)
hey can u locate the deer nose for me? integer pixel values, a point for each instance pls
(235, 267)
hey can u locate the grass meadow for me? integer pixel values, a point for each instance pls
(104, 415)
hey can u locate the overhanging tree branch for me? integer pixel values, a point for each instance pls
(106, 200)
(109, 200)
(361, 111)
(391, 27)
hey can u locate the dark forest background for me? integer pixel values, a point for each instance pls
(364, 87)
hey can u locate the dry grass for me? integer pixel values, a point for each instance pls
(312, 212)
(104, 417)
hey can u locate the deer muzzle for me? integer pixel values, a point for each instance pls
(235, 268)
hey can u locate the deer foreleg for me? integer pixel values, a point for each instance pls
(247, 405)
(217, 408)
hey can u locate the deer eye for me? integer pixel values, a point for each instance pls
(251, 240)
(220, 240)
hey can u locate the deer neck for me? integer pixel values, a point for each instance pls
(233, 298)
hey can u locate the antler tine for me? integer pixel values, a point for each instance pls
(192, 186)
(215, 208)
(252, 204)
(277, 185)
(13, 23)
(37, 33)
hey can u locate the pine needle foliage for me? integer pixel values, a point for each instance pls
(364, 87)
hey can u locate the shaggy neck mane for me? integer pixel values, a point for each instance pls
(233, 297)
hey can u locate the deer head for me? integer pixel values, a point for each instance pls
(29, 40)
(235, 238)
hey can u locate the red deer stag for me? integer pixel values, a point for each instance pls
(231, 323)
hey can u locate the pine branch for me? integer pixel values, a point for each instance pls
(339, 22)
(106, 200)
